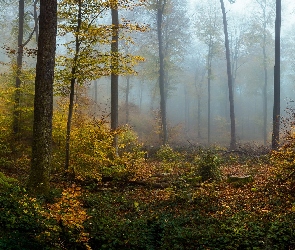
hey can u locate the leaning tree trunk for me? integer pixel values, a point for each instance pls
(277, 72)
(43, 102)
(161, 74)
(230, 83)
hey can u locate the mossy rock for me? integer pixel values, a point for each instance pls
(238, 181)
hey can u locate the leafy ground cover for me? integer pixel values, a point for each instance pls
(177, 199)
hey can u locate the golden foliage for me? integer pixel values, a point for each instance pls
(69, 213)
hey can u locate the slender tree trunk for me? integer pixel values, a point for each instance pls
(36, 20)
(43, 103)
(162, 72)
(19, 62)
(230, 83)
(114, 74)
(265, 89)
(127, 98)
(209, 65)
(199, 117)
(198, 88)
(72, 86)
(277, 72)
(234, 64)
(186, 110)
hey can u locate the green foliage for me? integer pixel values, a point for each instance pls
(92, 152)
(208, 165)
(20, 219)
(14, 149)
(91, 58)
(6, 181)
(167, 154)
(116, 223)
(26, 223)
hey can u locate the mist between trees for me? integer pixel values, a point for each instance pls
(191, 66)
(177, 72)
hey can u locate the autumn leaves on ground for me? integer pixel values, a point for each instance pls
(181, 198)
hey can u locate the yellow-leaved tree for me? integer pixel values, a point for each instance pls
(88, 56)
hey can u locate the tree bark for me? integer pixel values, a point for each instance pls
(19, 62)
(36, 20)
(162, 72)
(114, 74)
(43, 103)
(277, 72)
(230, 83)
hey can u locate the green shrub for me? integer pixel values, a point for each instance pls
(92, 151)
(167, 154)
(208, 165)
(20, 219)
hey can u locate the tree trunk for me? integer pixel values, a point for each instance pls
(72, 87)
(19, 62)
(186, 110)
(230, 83)
(198, 88)
(114, 74)
(36, 20)
(43, 103)
(199, 117)
(264, 87)
(209, 66)
(161, 73)
(127, 98)
(277, 72)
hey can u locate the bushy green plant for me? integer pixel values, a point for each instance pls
(208, 165)
(28, 224)
(167, 154)
(20, 220)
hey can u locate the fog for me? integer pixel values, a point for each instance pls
(186, 34)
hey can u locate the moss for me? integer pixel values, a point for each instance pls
(238, 181)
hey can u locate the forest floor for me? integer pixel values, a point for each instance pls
(205, 199)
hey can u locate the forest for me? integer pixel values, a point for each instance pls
(147, 124)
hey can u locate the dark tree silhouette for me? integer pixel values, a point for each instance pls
(19, 63)
(230, 80)
(114, 73)
(160, 9)
(43, 103)
(277, 72)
